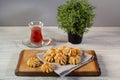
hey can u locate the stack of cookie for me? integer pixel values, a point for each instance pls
(62, 55)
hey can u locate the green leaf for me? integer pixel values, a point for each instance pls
(75, 16)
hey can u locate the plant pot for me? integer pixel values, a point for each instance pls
(74, 39)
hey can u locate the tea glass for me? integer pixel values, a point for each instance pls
(36, 38)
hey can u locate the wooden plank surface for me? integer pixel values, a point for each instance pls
(90, 69)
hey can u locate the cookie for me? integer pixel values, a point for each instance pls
(47, 67)
(33, 62)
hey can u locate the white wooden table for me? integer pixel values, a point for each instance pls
(104, 40)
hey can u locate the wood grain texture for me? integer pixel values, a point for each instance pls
(90, 69)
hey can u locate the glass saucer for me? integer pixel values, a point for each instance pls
(46, 42)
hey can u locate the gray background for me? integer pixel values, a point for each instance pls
(20, 12)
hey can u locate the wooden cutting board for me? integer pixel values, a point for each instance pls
(90, 69)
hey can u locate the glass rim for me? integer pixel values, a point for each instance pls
(32, 23)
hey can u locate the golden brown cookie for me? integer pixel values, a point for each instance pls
(78, 51)
(71, 52)
(49, 55)
(47, 67)
(34, 62)
(61, 58)
(61, 47)
(52, 51)
(66, 50)
(75, 59)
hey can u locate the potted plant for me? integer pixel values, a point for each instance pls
(75, 17)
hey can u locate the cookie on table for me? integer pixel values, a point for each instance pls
(75, 59)
(78, 51)
(71, 52)
(33, 62)
(60, 58)
(49, 55)
(52, 51)
(61, 47)
(66, 50)
(47, 67)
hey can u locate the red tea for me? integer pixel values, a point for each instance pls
(36, 34)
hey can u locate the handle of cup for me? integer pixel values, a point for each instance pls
(49, 41)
